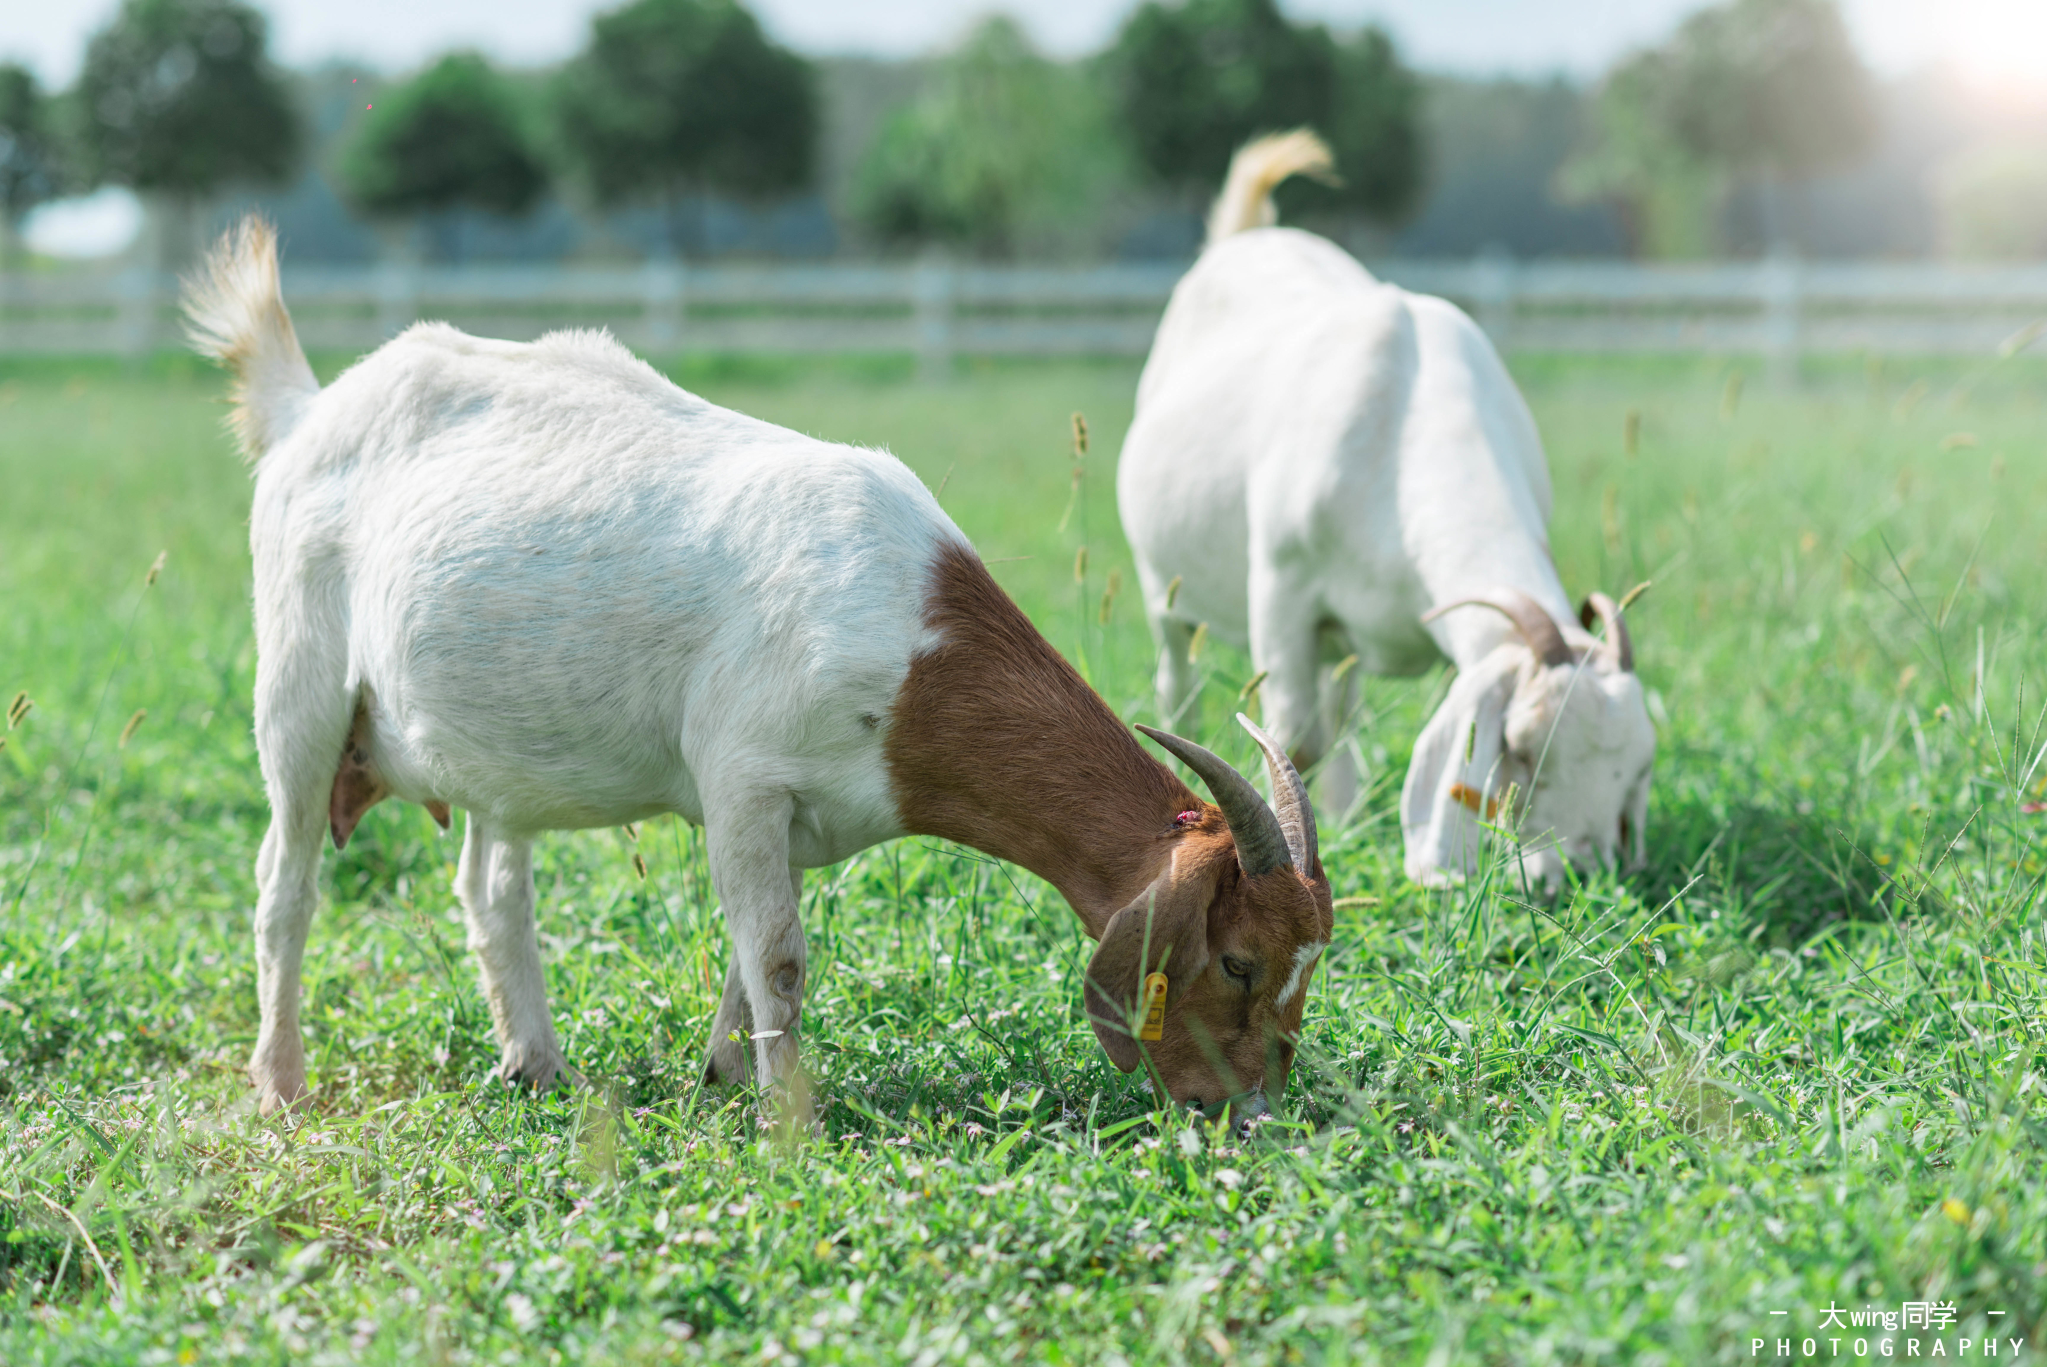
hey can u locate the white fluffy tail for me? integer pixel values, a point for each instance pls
(234, 313)
(1256, 171)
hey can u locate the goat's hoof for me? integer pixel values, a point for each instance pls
(277, 1071)
(277, 1090)
(535, 1067)
(726, 1066)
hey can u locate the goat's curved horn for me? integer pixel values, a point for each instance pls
(1261, 841)
(1289, 798)
(1620, 647)
(1538, 629)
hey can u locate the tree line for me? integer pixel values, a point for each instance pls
(1003, 151)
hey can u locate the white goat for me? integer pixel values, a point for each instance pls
(544, 585)
(1323, 465)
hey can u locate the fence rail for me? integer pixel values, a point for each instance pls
(936, 311)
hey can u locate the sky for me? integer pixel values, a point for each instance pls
(2001, 42)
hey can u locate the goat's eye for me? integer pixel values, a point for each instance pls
(1240, 969)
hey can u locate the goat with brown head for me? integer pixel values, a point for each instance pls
(1226, 938)
(1226, 900)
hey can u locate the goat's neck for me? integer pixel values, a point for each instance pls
(997, 743)
(1507, 562)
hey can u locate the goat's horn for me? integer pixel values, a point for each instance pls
(1618, 643)
(1289, 798)
(1538, 629)
(1261, 841)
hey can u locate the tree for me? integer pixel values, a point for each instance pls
(1664, 194)
(450, 140)
(1374, 131)
(1771, 87)
(177, 99)
(680, 97)
(1764, 93)
(30, 171)
(1004, 151)
(1196, 80)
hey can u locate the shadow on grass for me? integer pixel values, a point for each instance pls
(1789, 871)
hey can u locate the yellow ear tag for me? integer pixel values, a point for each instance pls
(1154, 1007)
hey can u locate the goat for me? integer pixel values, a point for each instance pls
(542, 584)
(1322, 466)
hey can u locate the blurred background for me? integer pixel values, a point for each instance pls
(451, 135)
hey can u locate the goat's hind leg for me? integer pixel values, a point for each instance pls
(300, 731)
(495, 882)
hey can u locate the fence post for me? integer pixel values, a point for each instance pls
(932, 306)
(135, 309)
(667, 302)
(1492, 290)
(1782, 289)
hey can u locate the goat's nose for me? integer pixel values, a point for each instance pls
(1248, 1109)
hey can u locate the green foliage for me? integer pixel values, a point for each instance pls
(673, 96)
(176, 96)
(1769, 87)
(1666, 196)
(1196, 80)
(1373, 129)
(1794, 1063)
(453, 137)
(30, 167)
(1004, 150)
(1756, 91)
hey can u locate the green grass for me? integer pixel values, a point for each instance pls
(1796, 1062)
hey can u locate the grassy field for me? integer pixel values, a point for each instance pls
(1795, 1065)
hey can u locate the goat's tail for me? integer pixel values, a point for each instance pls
(234, 313)
(1256, 171)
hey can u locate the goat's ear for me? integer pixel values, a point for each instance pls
(1164, 931)
(1456, 760)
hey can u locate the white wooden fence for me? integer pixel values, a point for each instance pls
(1778, 309)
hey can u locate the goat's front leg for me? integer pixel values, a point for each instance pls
(1285, 647)
(1178, 682)
(726, 1065)
(495, 882)
(749, 847)
(1338, 779)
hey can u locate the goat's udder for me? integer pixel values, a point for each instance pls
(358, 786)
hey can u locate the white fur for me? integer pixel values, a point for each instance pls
(571, 595)
(1319, 458)
(1297, 973)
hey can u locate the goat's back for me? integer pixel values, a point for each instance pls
(572, 589)
(1297, 411)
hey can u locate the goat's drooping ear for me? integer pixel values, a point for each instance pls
(1261, 841)
(1620, 647)
(1164, 931)
(1539, 630)
(1289, 800)
(1458, 757)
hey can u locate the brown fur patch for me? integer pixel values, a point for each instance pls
(996, 742)
(357, 785)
